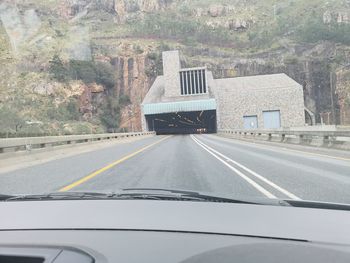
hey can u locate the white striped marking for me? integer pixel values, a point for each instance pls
(216, 154)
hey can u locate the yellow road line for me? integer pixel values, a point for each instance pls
(90, 176)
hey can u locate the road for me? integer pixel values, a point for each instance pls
(206, 163)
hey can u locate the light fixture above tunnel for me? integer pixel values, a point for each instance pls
(189, 122)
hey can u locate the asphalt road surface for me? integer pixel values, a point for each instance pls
(206, 163)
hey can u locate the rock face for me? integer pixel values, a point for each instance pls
(341, 17)
(71, 8)
(343, 93)
(86, 98)
(216, 10)
(123, 9)
(133, 82)
(126, 8)
(78, 45)
(19, 26)
(238, 25)
(327, 17)
(85, 105)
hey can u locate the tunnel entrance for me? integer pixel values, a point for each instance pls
(183, 122)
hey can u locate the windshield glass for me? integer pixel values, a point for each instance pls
(247, 101)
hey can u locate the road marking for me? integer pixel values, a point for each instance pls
(90, 176)
(280, 189)
(255, 174)
(250, 181)
(276, 148)
(318, 154)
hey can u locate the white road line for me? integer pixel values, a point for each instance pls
(260, 177)
(281, 148)
(250, 181)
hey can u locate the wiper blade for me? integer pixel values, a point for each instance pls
(184, 195)
(318, 205)
(144, 194)
(60, 196)
(5, 197)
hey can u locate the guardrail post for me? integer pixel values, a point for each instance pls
(329, 140)
(301, 138)
(269, 136)
(326, 140)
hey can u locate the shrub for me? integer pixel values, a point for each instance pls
(105, 75)
(87, 71)
(10, 120)
(83, 70)
(172, 26)
(59, 71)
(124, 100)
(291, 60)
(314, 30)
(110, 115)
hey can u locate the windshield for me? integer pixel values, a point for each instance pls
(245, 101)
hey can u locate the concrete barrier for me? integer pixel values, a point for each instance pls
(29, 143)
(328, 139)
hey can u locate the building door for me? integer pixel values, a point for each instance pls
(272, 119)
(250, 122)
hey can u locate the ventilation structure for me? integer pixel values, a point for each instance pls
(193, 81)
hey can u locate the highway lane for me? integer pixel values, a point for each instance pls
(53, 175)
(307, 175)
(176, 163)
(198, 162)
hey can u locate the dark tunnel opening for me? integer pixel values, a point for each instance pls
(183, 122)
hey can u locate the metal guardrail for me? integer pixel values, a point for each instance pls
(29, 143)
(330, 139)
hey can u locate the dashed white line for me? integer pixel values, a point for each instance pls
(225, 160)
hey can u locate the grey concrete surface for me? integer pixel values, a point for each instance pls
(304, 172)
(178, 162)
(21, 160)
(52, 175)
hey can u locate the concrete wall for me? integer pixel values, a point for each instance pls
(235, 97)
(171, 69)
(236, 102)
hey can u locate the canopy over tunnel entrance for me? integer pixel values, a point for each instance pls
(198, 116)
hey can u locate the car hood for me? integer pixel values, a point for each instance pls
(319, 225)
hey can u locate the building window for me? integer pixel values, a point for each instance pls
(250, 122)
(193, 82)
(272, 119)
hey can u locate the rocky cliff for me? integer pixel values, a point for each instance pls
(94, 39)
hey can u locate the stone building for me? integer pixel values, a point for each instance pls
(191, 100)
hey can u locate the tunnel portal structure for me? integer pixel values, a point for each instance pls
(190, 100)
